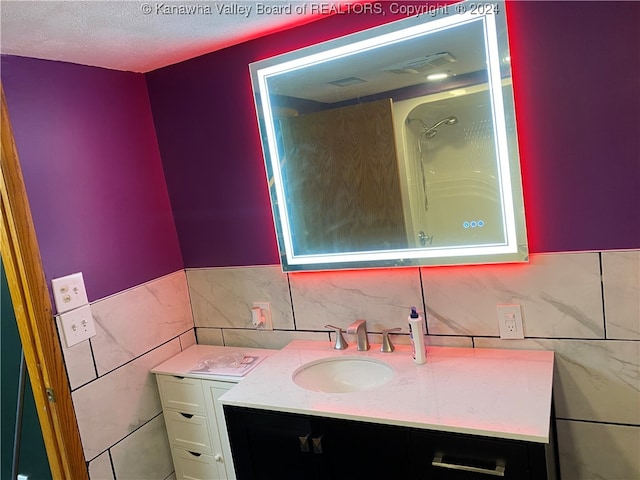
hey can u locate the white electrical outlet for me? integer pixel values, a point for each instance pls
(264, 323)
(69, 292)
(77, 325)
(510, 322)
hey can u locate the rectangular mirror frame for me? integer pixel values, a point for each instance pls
(514, 249)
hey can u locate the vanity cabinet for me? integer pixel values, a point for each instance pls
(195, 427)
(193, 413)
(268, 445)
(498, 403)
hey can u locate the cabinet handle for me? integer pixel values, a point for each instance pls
(317, 444)
(303, 442)
(195, 454)
(218, 458)
(188, 416)
(496, 472)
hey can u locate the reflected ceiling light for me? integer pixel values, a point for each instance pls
(437, 76)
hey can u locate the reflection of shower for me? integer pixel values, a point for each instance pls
(427, 134)
(432, 131)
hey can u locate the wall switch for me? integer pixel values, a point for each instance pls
(261, 316)
(77, 325)
(22, 477)
(510, 322)
(69, 292)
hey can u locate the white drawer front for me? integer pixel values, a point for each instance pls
(188, 431)
(191, 466)
(182, 393)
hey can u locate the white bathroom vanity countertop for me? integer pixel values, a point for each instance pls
(185, 363)
(489, 392)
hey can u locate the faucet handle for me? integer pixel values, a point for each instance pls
(387, 346)
(341, 343)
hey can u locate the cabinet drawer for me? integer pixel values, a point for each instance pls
(182, 393)
(188, 431)
(464, 457)
(195, 466)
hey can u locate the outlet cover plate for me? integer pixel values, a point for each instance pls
(510, 322)
(77, 325)
(69, 292)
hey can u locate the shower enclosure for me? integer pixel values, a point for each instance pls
(449, 168)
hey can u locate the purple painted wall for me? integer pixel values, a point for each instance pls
(93, 174)
(576, 70)
(208, 135)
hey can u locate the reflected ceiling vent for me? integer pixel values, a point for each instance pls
(422, 64)
(345, 82)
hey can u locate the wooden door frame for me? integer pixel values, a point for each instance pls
(36, 325)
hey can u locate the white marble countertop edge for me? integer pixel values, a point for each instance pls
(417, 395)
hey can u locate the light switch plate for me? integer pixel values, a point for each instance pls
(77, 325)
(69, 292)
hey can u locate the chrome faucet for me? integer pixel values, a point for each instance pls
(341, 343)
(359, 328)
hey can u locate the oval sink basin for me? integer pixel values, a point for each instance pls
(342, 374)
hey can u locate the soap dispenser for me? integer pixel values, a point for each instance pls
(416, 331)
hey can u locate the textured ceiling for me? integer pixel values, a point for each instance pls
(136, 36)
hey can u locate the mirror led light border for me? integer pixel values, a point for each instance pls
(500, 129)
(409, 254)
(499, 124)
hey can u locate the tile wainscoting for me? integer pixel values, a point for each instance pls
(114, 394)
(584, 306)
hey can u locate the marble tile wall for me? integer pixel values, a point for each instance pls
(115, 397)
(583, 306)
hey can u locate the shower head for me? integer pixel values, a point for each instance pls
(430, 132)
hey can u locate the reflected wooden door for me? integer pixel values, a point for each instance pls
(342, 180)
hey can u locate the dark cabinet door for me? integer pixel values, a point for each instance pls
(268, 445)
(354, 450)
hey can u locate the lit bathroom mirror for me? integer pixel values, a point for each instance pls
(395, 146)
